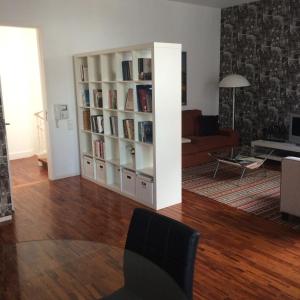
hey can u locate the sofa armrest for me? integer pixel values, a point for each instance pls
(290, 200)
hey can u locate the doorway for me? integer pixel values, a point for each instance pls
(23, 104)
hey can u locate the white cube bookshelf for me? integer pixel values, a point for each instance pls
(154, 166)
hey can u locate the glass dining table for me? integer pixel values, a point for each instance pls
(72, 269)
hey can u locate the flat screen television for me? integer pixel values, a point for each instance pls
(294, 135)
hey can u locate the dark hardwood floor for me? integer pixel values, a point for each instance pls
(240, 256)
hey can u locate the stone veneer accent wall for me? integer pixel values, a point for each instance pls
(261, 41)
(5, 195)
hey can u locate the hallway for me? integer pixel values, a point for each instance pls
(26, 171)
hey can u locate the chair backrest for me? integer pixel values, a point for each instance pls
(167, 243)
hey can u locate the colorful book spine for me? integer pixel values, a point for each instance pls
(114, 125)
(98, 99)
(86, 97)
(145, 68)
(83, 73)
(129, 103)
(145, 132)
(97, 124)
(99, 149)
(112, 97)
(127, 70)
(128, 128)
(86, 120)
(144, 98)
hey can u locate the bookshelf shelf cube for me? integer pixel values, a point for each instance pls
(100, 168)
(124, 67)
(87, 144)
(109, 67)
(84, 92)
(133, 94)
(96, 95)
(127, 154)
(112, 151)
(110, 96)
(113, 176)
(144, 156)
(94, 68)
(126, 96)
(98, 146)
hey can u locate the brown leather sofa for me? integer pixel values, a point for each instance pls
(196, 152)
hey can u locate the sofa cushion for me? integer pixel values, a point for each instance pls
(206, 143)
(209, 125)
(190, 148)
(190, 122)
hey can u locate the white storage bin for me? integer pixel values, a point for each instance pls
(88, 167)
(144, 190)
(100, 171)
(128, 182)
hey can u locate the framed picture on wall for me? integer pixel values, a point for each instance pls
(183, 79)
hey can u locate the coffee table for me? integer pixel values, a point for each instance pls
(245, 158)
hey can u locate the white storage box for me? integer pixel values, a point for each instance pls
(128, 182)
(88, 167)
(100, 171)
(144, 190)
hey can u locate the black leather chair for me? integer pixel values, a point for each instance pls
(168, 245)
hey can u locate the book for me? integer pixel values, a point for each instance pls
(100, 124)
(128, 127)
(114, 125)
(86, 97)
(145, 132)
(99, 148)
(83, 73)
(98, 100)
(144, 98)
(127, 69)
(97, 123)
(112, 98)
(145, 68)
(86, 120)
(129, 103)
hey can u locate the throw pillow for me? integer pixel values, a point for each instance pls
(209, 125)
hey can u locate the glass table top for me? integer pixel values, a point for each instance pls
(243, 156)
(68, 269)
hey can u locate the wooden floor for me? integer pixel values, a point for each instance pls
(26, 171)
(240, 256)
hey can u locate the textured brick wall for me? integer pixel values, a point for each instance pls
(261, 41)
(5, 195)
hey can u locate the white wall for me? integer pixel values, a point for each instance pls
(73, 26)
(21, 88)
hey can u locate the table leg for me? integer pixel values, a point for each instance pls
(216, 170)
(242, 175)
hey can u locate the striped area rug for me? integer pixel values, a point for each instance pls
(257, 193)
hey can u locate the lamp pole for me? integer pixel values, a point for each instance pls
(234, 81)
(233, 107)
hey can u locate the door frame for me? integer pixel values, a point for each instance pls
(8, 217)
(43, 90)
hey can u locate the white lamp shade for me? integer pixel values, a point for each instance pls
(234, 81)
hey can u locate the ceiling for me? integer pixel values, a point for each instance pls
(216, 3)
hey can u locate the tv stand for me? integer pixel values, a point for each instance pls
(281, 149)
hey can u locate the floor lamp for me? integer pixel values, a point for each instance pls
(233, 81)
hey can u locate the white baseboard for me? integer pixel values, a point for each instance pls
(19, 155)
(6, 218)
(64, 176)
